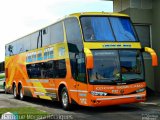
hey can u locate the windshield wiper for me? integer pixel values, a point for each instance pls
(116, 81)
(134, 79)
(113, 80)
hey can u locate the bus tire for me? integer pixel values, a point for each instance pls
(15, 95)
(65, 99)
(4, 86)
(21, 94)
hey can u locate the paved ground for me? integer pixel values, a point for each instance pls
(149, 110)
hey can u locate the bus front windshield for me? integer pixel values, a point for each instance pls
(106, 67)
(131, 65)
(116, 66)
(107, 29)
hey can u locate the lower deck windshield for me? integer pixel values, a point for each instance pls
(116, 66)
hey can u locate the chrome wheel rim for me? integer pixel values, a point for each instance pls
(65, 99)
(21, 94)
(15, 94)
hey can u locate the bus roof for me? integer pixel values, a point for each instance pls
(76, 15)
(99, 13)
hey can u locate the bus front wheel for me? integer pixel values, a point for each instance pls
(65, 99)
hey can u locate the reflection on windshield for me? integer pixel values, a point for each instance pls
(131, 64)
(106, 66)
(123, 29)
(115, 66)
(97, 28)
(104, 29)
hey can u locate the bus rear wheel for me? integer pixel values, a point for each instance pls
(65, 99)
(21, 95)
(15, 91)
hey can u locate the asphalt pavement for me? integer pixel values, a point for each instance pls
(149, 110)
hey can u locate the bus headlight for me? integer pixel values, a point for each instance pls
(141, 90)
(95, 93)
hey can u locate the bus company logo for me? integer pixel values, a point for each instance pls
(123, 87)
(104, 88)
(138, 86)
(130, 86)
(127, 45)
(117, 46)
(111, 45)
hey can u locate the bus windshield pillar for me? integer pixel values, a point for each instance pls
(89, 58)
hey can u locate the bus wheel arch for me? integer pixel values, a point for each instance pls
(61, 91)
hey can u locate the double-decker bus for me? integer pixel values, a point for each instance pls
(89, 59)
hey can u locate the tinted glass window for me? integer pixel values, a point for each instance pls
(11, 49)
(97, 29)
(46, 36)
(106, 66)
(50, 69)
(35, 38)
(123, 29)
(131, 65)
(25, 43)
(39, 55)
(73, 33)
(81, 76)
(57, 34)
(75, 46)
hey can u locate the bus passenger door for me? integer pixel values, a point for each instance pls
(82, 88)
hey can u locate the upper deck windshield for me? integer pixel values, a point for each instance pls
(104, 29)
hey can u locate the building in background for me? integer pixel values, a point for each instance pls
(146, 18)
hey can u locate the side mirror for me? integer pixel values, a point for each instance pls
(153, 55)
(89, 58)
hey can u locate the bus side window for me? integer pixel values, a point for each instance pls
(57, 34)
(39, 55)
(51, 53)
(50, 69)
(81, 68)
(73, 33)
(46, 36)
(60, 68)
(75, 46)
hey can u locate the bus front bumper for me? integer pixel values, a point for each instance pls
(96, 101)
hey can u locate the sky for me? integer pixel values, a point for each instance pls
(21, 17)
